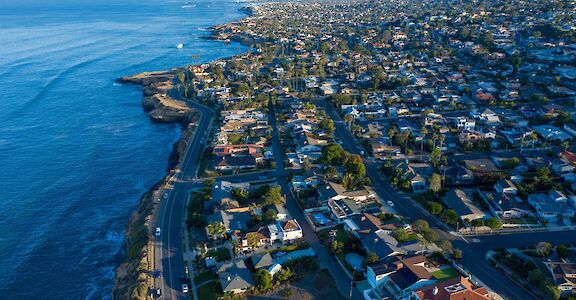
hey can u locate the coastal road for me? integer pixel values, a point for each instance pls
(168, 247)
(474, 249)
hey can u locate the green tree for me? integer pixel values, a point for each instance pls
(450, 216)
(550, 290)
(263, 279)
(493, 223)
(371, 257)
(535, 276)
(327, 125)
(273, 196)
(333, 154)
(240, 194)
(435, 207)
(435, 183)
(355, 166)
(420, 226)
(562, 251)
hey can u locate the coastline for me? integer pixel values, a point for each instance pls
(131, 274)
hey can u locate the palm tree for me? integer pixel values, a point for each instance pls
(348, 120)
(423, 133)
(533, 138)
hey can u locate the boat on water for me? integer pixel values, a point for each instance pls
(180, 46)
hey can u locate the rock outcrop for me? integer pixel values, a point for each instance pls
(156, 88)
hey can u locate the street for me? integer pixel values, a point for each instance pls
(168, 247)
(474, 252)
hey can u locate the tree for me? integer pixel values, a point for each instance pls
(562, 251)
(550, 290)
(535, 276)
(450, 216)
(445, 245)
(240, 194)
(431, 236)
(435, 156)
(371, 258)
(263, 279)
(420, 226)
(348, 181)
(543, 249)
(216, 228)
(333, 154)
(493, 223)
(435, 183)
(515, 61)
(423, 133)
(307, 165)
(435, 207)
(457, 254)
(273, 196)
(327, 125)
(355, 166)
(284, 275)
(337, 247)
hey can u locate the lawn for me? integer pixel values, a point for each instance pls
(209, 291)
(204, 276)
(219, 254)
(445, 274)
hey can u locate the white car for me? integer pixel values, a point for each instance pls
(390, 203)
(158, 231)
(184, 288)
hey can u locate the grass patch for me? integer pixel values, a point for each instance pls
(290, 248)
(204, 276)
(219, 254)
(209, 291)
(445, 274)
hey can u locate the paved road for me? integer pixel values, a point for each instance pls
(325, 259)
(168, 247)
(474, 249)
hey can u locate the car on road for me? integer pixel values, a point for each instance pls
(184, 288)
(165, 196)
(340, 142)
(158, 231)
(262, 177)
(390, 203)
(157, 274)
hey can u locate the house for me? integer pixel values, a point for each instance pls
(290, 231)
(235, 277)
(505, 186)
(549, 206)
(343, 208)
(226, 163)
(461, 202)
(458, 288)
(563, 275)
(480, 165)
(251, 240)
(384, 244)
(335, 191)
(367, 223)
(552, 133)
(232, 220)
(397, 278)
(261, 260)
(508, 206)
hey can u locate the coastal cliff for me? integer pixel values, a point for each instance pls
(156, 87)
(131, 280)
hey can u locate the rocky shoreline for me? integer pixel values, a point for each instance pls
(131, 275)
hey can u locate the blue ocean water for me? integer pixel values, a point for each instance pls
(76, 150)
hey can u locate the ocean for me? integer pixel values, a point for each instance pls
(76, 149)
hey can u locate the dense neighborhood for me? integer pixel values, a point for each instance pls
(369, 146)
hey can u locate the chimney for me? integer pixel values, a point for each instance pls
(363, 218)
(228, 278)
(435, 291)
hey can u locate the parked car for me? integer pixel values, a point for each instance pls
(157, 274)
(158, 292)
(184, 288)
(390, 203)
(158, 231)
